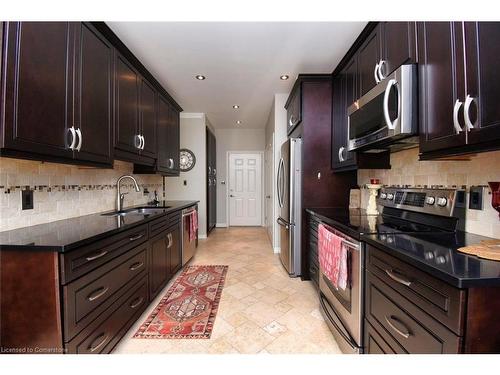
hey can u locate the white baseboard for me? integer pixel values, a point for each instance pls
(277, 250)
(202, 236)
(221, 225)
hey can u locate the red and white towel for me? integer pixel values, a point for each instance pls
(332, 257)
(193, 225)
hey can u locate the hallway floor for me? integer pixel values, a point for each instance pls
(262, 310)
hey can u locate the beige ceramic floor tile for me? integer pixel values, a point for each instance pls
(261, 310)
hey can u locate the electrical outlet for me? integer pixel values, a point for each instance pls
(27, 199)
(476, 197)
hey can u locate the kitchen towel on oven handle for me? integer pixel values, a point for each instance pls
(332, 257)
(193, 225)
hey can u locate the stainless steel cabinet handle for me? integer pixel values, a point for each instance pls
(396, 329)
(375, 73)
(143, 142)
(137, 141)
(381, 65)
(138, 301)
(101, 339)
(136, 266)
(80, 139)
(468, 101)
(170, 163)
(169, 237)
(396, 278)
(215, 171)
(209, 169)
(456, 124)
(341, 151)
(97, 256)
(98, 293)
(391, 125)
(136, 237)
(73, 138)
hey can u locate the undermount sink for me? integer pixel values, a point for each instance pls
(136, 211)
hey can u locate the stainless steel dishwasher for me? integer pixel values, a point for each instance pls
(188, 247)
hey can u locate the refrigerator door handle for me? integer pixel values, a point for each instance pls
(279, 182)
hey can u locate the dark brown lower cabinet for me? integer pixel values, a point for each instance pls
(86, 299)
(428, 315)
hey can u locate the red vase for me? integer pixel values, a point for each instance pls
(495, 195)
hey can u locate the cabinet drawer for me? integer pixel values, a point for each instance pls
(105, 332)
(414, 330)
(85, 259)
(87, 297)
(376, 344)
(157, 226)
(432, 295)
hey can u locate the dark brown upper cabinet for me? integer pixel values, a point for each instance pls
(368, 57)
(345, 92)
(57, 101)
(481, 106)
(126, 107)
(441, 84)
(398, 45)
(173, 141)
(94, 98)
(458, 109)
(293, 108)
(37, 100)
(147, 111)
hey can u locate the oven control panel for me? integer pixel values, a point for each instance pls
(430, 201)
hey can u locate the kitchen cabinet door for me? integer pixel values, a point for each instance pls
(441, 85)
(398, 41)
(126, 106)
(368, 58)
(173, 141)
(147, 111)
(163, 128)
(294, 110)
(483, 81)
(38, 73)
(159, 271)
(344, 94)
(94, 95)
(175, 249)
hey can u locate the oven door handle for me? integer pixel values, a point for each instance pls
(346, 337)
(391, 125)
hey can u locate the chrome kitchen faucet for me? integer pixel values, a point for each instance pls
(119, 194)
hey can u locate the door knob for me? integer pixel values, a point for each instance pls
(231, 195)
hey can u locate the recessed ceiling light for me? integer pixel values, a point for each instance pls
(200, 77)
(238, 122)
(236, 106)
(284, 77)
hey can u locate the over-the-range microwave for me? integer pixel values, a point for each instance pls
(386, 116)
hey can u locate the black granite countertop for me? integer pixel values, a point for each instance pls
(434, 252)
(353, 222)
(65, 235)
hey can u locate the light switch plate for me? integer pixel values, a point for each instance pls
(27, 199)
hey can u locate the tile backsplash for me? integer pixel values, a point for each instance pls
(408, 170)
(62, 191)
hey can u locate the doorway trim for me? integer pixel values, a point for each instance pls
(261, 153)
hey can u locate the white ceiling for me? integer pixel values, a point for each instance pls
(241, 60)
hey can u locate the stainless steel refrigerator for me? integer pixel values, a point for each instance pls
(289, 193)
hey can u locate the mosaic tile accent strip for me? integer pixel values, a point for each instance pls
(57, 186)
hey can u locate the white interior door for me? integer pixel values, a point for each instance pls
(245, 189)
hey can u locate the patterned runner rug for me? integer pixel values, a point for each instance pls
(188, 309)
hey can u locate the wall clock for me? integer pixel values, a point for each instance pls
(187, 160)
